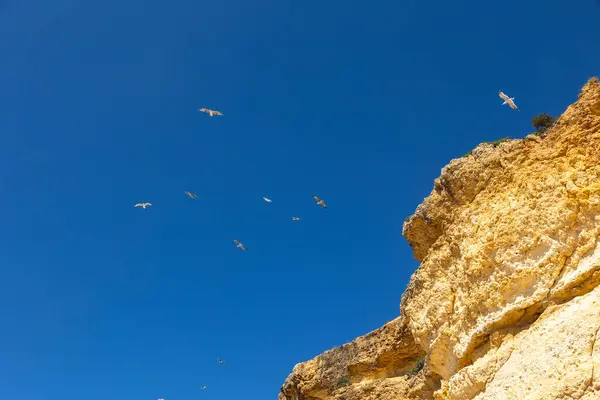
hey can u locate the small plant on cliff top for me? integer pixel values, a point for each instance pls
(494, 143)
(497, 142)
(542, 122)
(418, 367)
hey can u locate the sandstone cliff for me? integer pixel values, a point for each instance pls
(506, 301)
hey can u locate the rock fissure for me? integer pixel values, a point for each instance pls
(496, 369)
(593, 346)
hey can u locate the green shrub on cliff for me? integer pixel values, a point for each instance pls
(542, 122)
(418, 366)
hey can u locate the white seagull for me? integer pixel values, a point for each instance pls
(508, 100)
(295, 219)
(210, 112)
(238, 244)
(267, 200)
(320, 202)
(221, 361)
(143, 205)
(203, 387)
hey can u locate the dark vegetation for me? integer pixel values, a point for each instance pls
(418, 367)
(497, 142)
(343, 381)
(542, 123)
(494, 143)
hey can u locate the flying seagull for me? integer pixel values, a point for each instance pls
(192, 195)
(295, 219)
(267, 200)
(203, 387)
(320, 202)
(238, 244)
(143, 205)
(210, 112)
(221, 361)
(508, 100)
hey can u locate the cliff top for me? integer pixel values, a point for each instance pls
(507, 236)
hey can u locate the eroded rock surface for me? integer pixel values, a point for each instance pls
(505, 303)
(378, 365)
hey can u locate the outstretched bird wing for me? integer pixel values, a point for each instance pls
(503, 96)
(512, 105)
(238, 244)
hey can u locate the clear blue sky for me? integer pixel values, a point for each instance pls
(360, 103)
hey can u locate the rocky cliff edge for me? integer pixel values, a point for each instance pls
(506, 301)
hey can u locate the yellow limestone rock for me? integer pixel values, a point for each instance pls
(374, 366)
(505, 303)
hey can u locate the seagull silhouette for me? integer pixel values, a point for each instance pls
(508, 100)
(320, 202)
(209, 111)
(238, 244)
(192, 195)
(143, 205)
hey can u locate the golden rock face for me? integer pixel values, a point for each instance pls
(505, 303)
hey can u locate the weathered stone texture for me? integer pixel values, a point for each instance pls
(505, 303)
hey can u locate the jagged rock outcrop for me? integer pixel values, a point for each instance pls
(506, 301)
(373, 366)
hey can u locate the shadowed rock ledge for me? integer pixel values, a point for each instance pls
(368, 367)
(505, 303)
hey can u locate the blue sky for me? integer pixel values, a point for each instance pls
(360, 103)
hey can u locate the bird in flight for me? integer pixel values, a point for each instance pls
(508, 100)
(221, 361)
(203, 387)
(210, 112)
(295, 219)
(267, 200)
(238, 244)
(143, 205)
(320, 202)
(192, 195)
